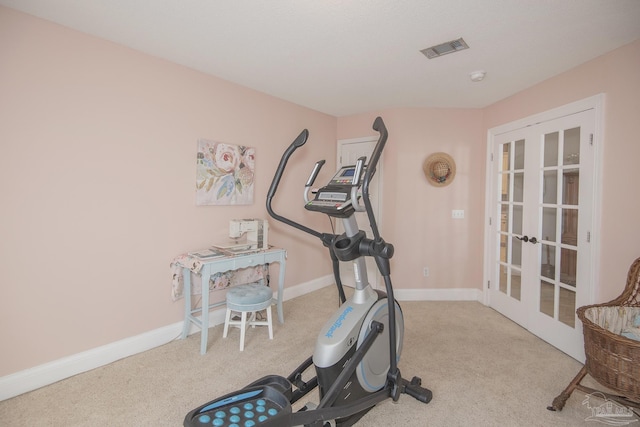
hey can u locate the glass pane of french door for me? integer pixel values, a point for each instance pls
(559, 225)
(510, 206)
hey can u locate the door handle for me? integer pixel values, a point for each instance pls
(527, 239)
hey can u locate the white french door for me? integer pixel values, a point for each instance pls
(541, 212)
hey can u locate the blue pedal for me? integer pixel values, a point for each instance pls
(252, 406)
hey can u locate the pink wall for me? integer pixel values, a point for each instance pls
(97, 176)
(416, 215)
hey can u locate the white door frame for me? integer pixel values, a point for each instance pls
(595, 102)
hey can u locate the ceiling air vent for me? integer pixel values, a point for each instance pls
(445, 48)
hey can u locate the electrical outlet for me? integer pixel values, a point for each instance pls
(425, 272)
(457, 214)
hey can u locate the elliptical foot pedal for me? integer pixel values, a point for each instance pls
(276, 382)
(251, 406)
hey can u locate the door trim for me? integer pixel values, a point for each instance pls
(596, 103)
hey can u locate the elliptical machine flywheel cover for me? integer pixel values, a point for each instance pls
(372, 371)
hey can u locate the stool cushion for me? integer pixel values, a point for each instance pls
(250, 297)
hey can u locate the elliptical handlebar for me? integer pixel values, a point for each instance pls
(378, 125)
(355, 184)
(297, 143)
(312, 179)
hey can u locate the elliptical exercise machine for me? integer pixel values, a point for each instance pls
(358, 349)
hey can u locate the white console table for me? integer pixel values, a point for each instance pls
(220, 265)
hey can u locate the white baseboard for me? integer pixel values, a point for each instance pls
(49, 373)
(39, 376)
(458, 294)
(307, 287)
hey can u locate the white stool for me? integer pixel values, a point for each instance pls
(245, 299)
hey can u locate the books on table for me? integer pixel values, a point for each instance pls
(208, 253)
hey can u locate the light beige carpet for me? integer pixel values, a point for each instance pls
(483, 369)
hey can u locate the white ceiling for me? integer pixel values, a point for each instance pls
(347, 57)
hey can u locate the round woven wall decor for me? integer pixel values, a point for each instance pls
(439, 169)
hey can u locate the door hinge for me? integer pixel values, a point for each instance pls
(488, 284)
(588, 236)
(591, 139)
(489, 220)
(492, 157)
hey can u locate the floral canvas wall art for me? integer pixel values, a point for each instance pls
(225, 174)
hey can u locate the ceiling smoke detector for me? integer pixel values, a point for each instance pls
(477, 76)
(445, 48)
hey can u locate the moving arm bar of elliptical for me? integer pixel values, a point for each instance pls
(325, 414)
(335, 264)
(337, 386)
(297, 143)
(379, 126)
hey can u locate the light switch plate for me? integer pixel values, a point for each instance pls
(457, 214)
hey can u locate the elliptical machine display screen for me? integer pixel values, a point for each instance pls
(344, 176)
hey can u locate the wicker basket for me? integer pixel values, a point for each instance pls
(611, 359)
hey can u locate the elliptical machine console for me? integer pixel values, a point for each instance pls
(336, 199)
(358, 349)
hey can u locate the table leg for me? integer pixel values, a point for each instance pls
(206, 275)
(281, 288)
(186, 291)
